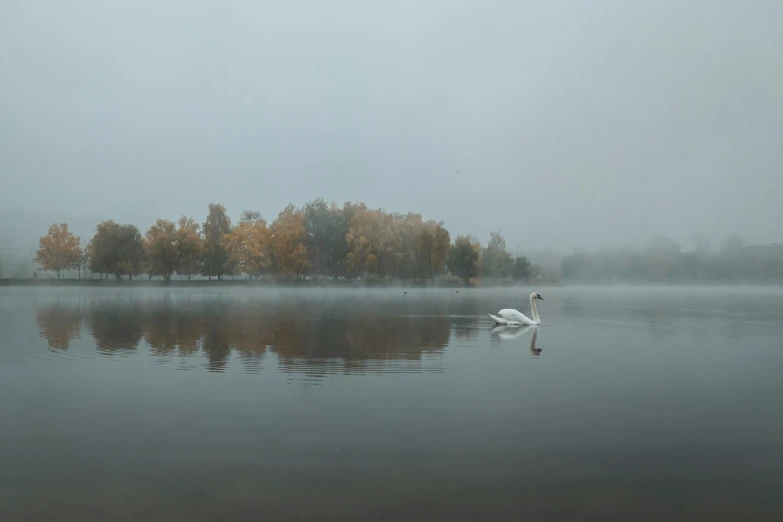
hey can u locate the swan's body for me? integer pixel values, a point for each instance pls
(511, 317)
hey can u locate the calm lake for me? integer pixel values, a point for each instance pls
(249, 404)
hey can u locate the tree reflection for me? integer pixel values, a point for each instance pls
(466, 314)
(59, 324)
(116, 326)
(304, 336)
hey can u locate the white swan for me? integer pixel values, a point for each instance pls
(511, 317)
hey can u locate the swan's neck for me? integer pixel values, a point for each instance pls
(534, 310)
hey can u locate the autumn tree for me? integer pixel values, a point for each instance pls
(339, 262)
(190, 244)
(287, 242)
(389, 252)
(247, 246)
(363, 242)
(385, 244)
(59, 249)
(116, 249)
(463, 260)
(162, 249)
(411, 261)
(215, 258)
(434, 242)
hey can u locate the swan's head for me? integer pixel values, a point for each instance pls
(535, 295)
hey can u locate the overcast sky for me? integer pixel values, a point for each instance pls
(562, 124)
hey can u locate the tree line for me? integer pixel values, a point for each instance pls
(663, 260)
(317, 240)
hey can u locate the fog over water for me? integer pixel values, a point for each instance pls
(214, 404)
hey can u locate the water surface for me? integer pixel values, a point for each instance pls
(120, 404)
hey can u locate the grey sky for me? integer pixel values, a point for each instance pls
(560, 123)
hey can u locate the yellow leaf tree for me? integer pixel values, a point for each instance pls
(363, 241)
(288, 242)
(247, 246)
(59, 249)
(171, 248)
(191, 246)
(160, 245)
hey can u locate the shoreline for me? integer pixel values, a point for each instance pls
(343, 283)
(340, 283)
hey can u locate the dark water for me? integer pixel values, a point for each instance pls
(627, 404)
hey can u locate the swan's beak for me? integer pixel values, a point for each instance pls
(540, 297)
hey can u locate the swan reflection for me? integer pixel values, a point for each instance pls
(509, 333)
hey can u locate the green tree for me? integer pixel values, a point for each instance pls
(59, 249)
(250, 216)
(522, 269)
(463, 260)
(116, 249)
(215, 259)
(495, 260)
(318, 221)
(434, 242)
(84, 259)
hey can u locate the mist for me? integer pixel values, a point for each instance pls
(561, 125)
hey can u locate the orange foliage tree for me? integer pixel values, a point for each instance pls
(247, 246)
(59, 249)
(288, 242)
(160, 246)
(190, 244)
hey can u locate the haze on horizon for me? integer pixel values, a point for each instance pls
(561, 125)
